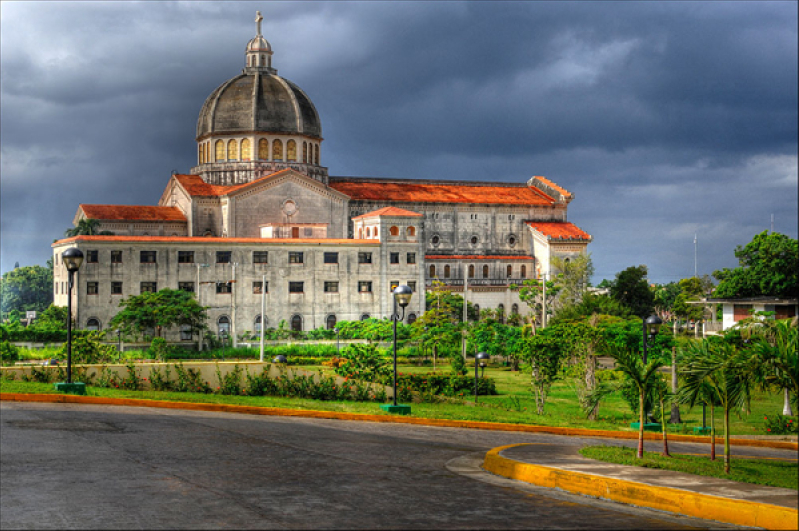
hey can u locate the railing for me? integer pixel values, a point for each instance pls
(476, 281)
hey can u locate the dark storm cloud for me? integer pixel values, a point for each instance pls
(664, 119)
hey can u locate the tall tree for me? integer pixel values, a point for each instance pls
(691, 289)
(631, 288)
(158, 311)
(769, 267)
(27, 288)
(574, 277)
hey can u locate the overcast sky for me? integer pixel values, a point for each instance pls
(663, 119)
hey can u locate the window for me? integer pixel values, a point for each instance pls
(512, 241)
(277, 150)
(510, 271)
(185, 332)
(316, 155)
(92, 324)
(220, 150)
(246, 151)
(224, 287)
(147, 257)
(514, 310)
(232, 150)
(296, 323)
(260, 257)
(263, 149)
(91, 257)
(412, 285)
(330, 322)
(223, 325)
(364, 317)
(447, 271)
(364, 286)
(331, 258)
(291, 151)
(432, 271)
(365, 258)
(394, 231)
(295, 257)
(296, 287)
(257, 324)
(305, 152)
(473, 240)
(91, 288)
(393, 285)
(331, 287)
(116, 288)
(471, 271)
(485, 271)
(523, 272)
(223, 257)
(501, 313)
(411, 231)
(411, 318)
(259, 287)
(368, 232)
(116, 257)
(435, 240)
(186, 286)
(411, 258)
(394, 258)
(185, 257)
(307, 232)
(148, 287)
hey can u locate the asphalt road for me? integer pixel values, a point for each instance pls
(70, 466)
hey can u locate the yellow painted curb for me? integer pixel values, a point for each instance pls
(396, 419)
(731, 511)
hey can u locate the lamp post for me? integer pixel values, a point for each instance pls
(650, 328)
(72, 258)
(119, 343)
(222, 338)
(338, 348)
(402, 297)
(479, 361)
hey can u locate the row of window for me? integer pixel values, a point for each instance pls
(374, 232)
(234, 150)
(474, 240)
(258, 287)
(447, 271)
(258, 257)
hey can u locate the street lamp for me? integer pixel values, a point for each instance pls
(650, 326)
(119, 343)
(280, 358)
(402, 297)
(479, 361)
(338, 349)
(72, 258)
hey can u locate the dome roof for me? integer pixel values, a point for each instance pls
(258, 101)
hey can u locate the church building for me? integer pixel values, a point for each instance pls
(259, 216)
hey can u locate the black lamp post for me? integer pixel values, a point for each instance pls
(119, 343)
(338, 348)
(73, 258)
(651, 326)
(402, 297)
(479, 361)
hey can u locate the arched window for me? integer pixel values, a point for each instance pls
(364, 317)
(471, 271)
(263, 149)
(316, 157)
(360, 233)
(296, 323)
(485, 271)
(246, 149)
(566, 261)
(501, 313)
(200, 159)
(291, 151)
(411, 231)
(432, 271)
(207, 152)
(523, 272)
(376, 232)
(232, 150)
(263, 60)
(330, 321)
(477, 311)
(257, 324)
(514, 310)
(447, 271)
(220, 151)
(510, 271)
(368, 232)
(305, 152)
(277, 150)
(93, 324)
(411, 318)
(394, 231)
(223, 325)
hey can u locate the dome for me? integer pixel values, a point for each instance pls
(259, 44)
(258, 100)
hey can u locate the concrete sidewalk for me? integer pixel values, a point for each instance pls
(556, 466)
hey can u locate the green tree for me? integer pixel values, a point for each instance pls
(543, 355)
(769, 266)
(775, 344)
(28, 288)
(592, 304)
(87, 227)
(573, 276)
(691, 289)
(438, 327)
(631, 288)
(161, 310)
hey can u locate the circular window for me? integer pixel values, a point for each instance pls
(511, 240)
(474, 240)
(435, 240)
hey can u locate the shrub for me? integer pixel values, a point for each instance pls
(230, 383)
(87, 348)
(433, 384)
(780, 425)
(363, 362)
(8, 353)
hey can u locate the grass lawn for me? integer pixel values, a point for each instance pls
(771, 472)
(514, 404)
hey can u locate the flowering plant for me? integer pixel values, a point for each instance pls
(780, 425)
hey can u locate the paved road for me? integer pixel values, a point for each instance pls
(81, 466)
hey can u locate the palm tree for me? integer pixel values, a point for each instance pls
(776, 363)
(87, 227)
(721, 366)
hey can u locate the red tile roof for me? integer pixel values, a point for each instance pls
(194, 185)
(441, 193)
(202, 240)
(474, 257)
(554, 186)
(559, 230)
(132, 212)
(390, 211)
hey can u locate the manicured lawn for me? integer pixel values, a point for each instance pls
(771, 472)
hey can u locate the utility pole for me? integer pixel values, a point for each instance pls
(465, 310)
(233, 307)
(263, 314)
(544, 302)
(695, 255)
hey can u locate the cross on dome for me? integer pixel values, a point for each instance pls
(258, 19)
(259, 51)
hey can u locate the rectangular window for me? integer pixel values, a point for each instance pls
(412, 285)
(147, 257)
(116, 288)
(186, 286)
(394, 258)
(116, 257)
(331, 258)
(393, 285)
(91, 257)
(185, 257)
(331, 287)
(224, 287)
(364, 286)
(364, 258)
(295, 257)
(296, 287)
(260, 257)
(223, 257)
(259, 287)
(307, 232)
(411, 258)
(149, 287)
(91, 288)
(185, 333)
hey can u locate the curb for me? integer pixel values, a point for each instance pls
(442, 423)
(732, 511)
